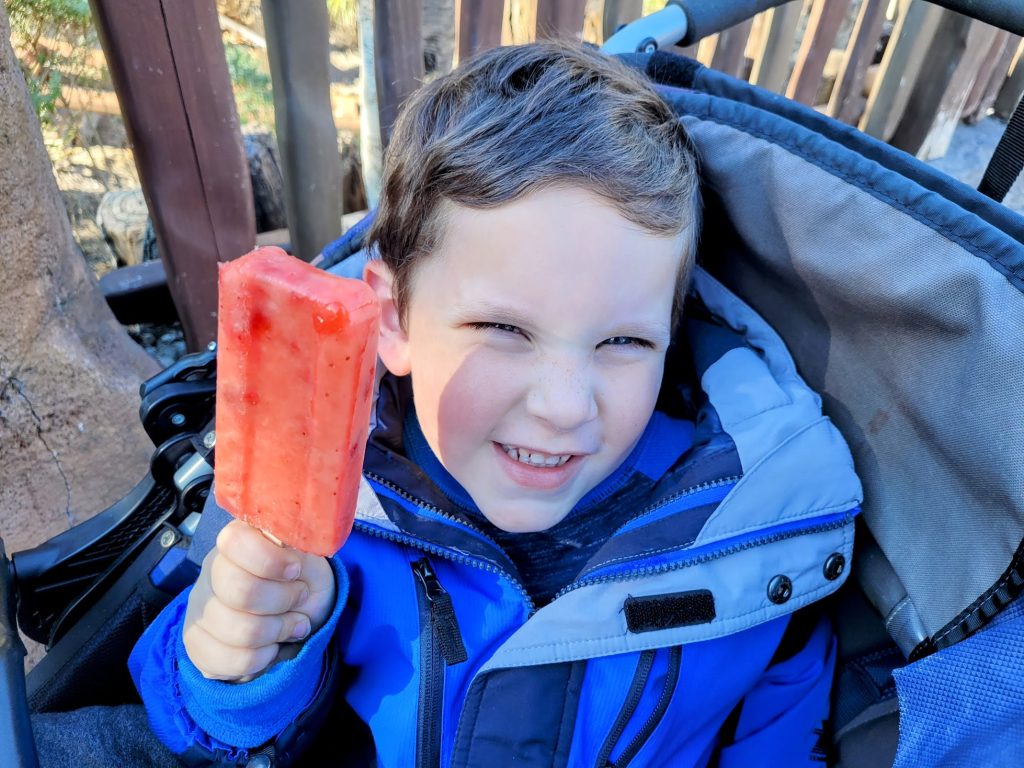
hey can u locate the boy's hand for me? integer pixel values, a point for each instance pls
(252, 602)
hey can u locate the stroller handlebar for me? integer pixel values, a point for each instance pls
(649, 33)
(1005, 14)
(706, 18)
(684, 22)
(15, 726)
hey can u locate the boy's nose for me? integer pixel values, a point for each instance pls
(563, 396)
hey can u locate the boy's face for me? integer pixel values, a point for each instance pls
(536, 339)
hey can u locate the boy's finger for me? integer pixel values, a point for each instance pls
(247, 630)
(248, 548)
(239, 589)
(219, 661)
(294, 627)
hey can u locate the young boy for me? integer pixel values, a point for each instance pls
(586, 521)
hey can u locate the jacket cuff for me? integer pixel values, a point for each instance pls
(250, 714)
(187, 710)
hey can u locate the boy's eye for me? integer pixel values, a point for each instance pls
(626, 341)
(504, 327)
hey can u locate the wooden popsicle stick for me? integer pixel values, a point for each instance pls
(272, 538)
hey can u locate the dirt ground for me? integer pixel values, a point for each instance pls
(970, 152)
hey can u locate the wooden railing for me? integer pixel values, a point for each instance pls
(936, 69)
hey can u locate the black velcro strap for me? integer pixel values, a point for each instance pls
(678, 609)
(1008, 159)
(978, 614)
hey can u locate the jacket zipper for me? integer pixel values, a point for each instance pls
(434, 549)
(693, 490)
(675, 656)
(636, 689)
(442, 614)
(440, 645)
(454, 557)
(489, 567)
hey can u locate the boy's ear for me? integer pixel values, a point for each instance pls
(393, 345)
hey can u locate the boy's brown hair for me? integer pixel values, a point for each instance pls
(519, 119)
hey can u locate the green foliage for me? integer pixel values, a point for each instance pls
(251, 83)
(44, 92)
(67, 21)
(54, 15)
(343, 13)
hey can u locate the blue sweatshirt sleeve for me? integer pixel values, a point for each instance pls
(187, 710)
(782, 718)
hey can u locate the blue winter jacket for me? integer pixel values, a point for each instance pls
(670, 648)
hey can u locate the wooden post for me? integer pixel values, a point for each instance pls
(901, 65)
(478, 26)
(822, 27)
(730, 47)
(706, 48)
(948, 45)
(972, 45)
(560, 19)
(619, 12)
(1013, 89)
(398, 57)
(520, 22)
(371, 148)
(847, 103)
(440, 36)
(167, 63)
(991, 77)
(307, 140)
(772, 63)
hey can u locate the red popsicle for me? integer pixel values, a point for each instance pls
(296, 351)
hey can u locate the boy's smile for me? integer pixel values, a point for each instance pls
(536, 338)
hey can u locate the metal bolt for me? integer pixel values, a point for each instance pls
(167, 539)
(210, 439)
(177, 419)
(780, 589)
(834, 566)
(212, 346)
(259, 761)
(650, 48)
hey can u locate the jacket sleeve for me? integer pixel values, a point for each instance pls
(782, 721)
(209, 720)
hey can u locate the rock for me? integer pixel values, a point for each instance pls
(122, 217)
(247, 12)
(97, 128)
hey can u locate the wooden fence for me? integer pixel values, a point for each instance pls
(904, 71)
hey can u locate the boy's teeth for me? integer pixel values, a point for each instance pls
(535, 459)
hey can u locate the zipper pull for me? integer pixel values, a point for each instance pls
(442, 614)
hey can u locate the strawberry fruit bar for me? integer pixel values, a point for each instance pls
(296, 352)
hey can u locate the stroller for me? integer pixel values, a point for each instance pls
(898, 292)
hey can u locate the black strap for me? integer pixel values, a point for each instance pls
(978, 614)
(1008, 159)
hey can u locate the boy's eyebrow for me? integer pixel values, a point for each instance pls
(493, 312)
